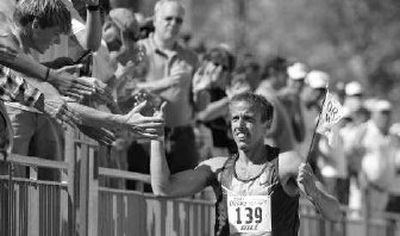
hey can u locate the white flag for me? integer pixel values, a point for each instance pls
(332, 112)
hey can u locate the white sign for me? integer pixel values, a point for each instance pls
(249, 214)
(332, 112)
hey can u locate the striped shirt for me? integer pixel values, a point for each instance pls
(14, 88)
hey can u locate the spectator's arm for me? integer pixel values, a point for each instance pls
(143, 127)
(23, 63)
(184, 183)
(214, 110)
(159, 85)
(90, 38)
(201, 100)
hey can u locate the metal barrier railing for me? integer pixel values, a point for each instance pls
(77, 205)
(30, 206)
(127, 211)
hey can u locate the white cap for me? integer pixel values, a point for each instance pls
(317, 79)
(353, 88)
(382, 105)
(377, 105)
(297, 71)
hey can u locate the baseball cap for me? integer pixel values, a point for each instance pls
(377, 105)
(382, 105)
(353, 88)
(317, 79)
(297, 71)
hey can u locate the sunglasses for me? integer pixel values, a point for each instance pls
(178, 20)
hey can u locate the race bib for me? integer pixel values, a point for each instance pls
(249, 214)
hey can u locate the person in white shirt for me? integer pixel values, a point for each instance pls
(375, 148)
(394, 189)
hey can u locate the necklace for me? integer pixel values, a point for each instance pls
(250, 179)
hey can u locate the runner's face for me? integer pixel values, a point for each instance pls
(247, 128)
(169, 20)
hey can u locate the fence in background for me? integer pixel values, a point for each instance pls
(79, 205)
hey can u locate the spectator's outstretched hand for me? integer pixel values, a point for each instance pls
(207, 74)
(70, 85)
(236, 88)
(101, 91)
(143, 127)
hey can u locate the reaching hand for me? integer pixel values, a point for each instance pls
(101, 91)
(237, 88)
(207, 74)
(143, 126)
(70, 85)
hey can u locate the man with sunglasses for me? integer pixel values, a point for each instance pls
(170, 70)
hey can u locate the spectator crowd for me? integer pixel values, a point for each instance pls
(105, 72)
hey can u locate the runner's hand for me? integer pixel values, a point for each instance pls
(306, 179)
(161, 114)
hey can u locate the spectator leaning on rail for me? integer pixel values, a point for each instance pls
(247, 180)
(38, 24)
(170, 74)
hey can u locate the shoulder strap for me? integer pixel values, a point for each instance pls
(226, 175)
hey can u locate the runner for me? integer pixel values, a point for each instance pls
(257, 189)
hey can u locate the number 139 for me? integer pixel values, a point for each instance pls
(250, 215)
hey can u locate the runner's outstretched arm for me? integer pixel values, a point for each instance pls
(181, 184)
(184, 183)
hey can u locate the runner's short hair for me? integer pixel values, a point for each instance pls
(48, 13)
(257, 101)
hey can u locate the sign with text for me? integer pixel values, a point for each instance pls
(249, 214)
